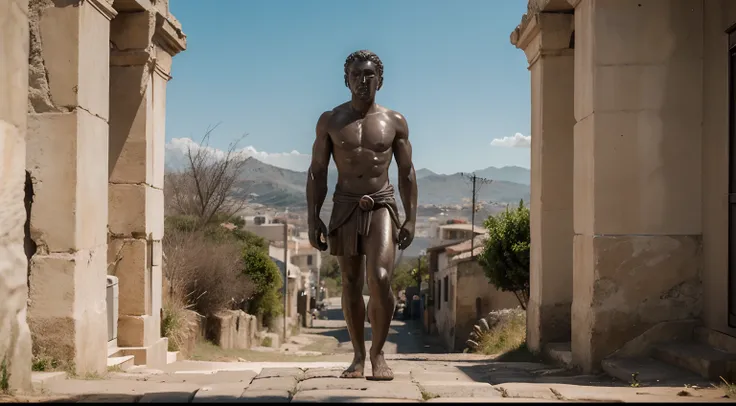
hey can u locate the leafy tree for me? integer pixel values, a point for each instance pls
(330, 267)
(402, 277)
(265, 275)
(505, 256)
(407, 273)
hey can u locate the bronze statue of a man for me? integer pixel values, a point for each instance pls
(361, 136)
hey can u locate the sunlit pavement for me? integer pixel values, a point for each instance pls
(423, 373)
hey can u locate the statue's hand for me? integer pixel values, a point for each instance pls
(318, 235)
(406, 235)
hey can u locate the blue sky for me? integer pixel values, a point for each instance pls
(269, 68)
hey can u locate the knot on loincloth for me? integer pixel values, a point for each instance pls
(366, 203)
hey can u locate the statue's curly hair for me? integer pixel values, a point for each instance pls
(364, 55)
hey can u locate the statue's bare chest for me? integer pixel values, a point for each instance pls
(375, 133)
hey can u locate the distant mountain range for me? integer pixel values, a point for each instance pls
(278, 187)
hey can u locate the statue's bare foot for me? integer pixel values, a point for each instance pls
(355, 370)
(381, 371)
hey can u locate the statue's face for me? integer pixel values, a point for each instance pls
(363, 79)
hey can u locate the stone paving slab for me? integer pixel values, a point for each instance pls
(460, 390)
(105, 398)
(312, 373)
(431, 376)
(117, 387)
(629, 394)
(167, 397)
(526, 390)
(348, 395)
(223, 392)
(386, 388)
(264, 396)
(296, 373)
(281, 383)
(482, 400)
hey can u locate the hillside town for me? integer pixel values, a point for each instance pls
(135, 271)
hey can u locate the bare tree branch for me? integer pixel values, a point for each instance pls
(205, 188)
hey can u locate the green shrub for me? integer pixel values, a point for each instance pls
(505, 256)
(266, 278)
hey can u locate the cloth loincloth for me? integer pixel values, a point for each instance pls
(351, 218)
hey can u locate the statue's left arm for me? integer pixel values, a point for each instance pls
(407, 176)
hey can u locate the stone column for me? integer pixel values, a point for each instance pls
(15, 337)
(66, 157)
(143, 42)
(637, 184)
(546, 40)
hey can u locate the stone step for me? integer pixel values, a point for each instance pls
(559, 353)
(650, 372)
(701, 359)
(715, 339)
(123, 362)
(172, 356)
(114, 351)
(40, 380)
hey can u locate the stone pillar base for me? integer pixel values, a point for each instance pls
(547, 324)
(153, 356)
(138, 331)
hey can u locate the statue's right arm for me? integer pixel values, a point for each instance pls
(317, 173)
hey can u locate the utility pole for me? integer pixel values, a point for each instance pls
(286, 270)
(474, 180)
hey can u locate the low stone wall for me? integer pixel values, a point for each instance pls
(233, 329)
(196, 322)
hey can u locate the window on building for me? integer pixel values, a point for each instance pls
(478, 312)
(309, 260)
(447, 288)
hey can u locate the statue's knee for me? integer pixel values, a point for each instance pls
(382, 278)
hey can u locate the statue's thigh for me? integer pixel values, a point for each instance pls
(379, 246)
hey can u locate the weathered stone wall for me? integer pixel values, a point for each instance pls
(472, 285)
(445, 312)
(638, 171)
(233, 329)
(67, 142)
(15, 337)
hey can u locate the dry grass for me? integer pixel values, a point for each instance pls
(507, 335)
(176, 323)
(206, 274)
(729, 389)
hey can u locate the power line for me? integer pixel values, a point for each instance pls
(476, 182)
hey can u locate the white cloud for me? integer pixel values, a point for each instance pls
(176, 154)
(518, 140)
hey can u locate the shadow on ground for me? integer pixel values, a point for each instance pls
(405, 335)
(166, 397)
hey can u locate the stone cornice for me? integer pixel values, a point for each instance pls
(169, 36)
(104, 7)
(574, 3)
(132, 5)
(533, 9)
(545, 34)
